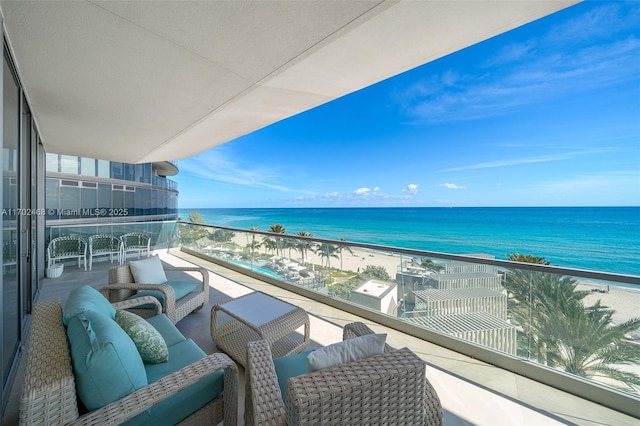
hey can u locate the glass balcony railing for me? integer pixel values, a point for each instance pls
(573, 329)
(163, 234)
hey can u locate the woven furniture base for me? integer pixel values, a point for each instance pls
(386, 389)
(275, 327)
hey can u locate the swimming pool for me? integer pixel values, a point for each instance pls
(258, 269)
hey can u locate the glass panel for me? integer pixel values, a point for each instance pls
(53, 163)
(117, 170)
(10, 288)
(69, 164)
(87, 166)
(104, 169)
(104, 196)
(129, 172)
(568, 324)
(52, 201)
(70, 201)
(88, 202)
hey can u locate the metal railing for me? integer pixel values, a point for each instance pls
(576, 330)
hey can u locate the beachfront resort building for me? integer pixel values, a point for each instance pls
(377, 295)
(149, 82)
(463, 299)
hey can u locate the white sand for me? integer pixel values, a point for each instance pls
(624, 301)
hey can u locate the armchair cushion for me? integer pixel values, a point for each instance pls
(346, 351)
(175, 408)
(148, 271)
(180, 288)
(167, 330)
(86, 298)
(290, 366)
(106, 363)
(149, 342)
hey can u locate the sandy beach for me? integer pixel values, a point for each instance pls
(624, 301)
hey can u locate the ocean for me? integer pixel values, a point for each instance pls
(603, 239)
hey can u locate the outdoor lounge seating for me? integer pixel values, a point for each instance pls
(103, 245)
(134, 242)
(69, 247)
(389, 388)
(178, 297)
(81, 370)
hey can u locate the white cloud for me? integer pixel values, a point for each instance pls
(362, 191)
(215, 165)
(412, 189)
(452, 186)
(519, 161)
(573, 57)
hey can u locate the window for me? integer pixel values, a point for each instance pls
(87, 166)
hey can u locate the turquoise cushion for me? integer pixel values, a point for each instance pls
(181, 289)
(290, 366)
(86, 298)
(106, 363)
(149, 342)
(181, 405)
(167, 330)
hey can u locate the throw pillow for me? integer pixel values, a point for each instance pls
(346, 351)
(149, 342)
(106, 364)
(148, 271)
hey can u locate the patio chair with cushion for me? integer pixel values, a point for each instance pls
(147, 277)
(134, 242)
(69, 247)
(95, 364)
(103, 245)
(361, 380)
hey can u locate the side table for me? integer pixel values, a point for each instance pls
(258, 316)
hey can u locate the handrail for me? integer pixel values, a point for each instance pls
(582, 273)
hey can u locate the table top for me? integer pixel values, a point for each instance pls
(257, 308)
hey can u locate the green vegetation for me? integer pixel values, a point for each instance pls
(343, 289)
(560, 331)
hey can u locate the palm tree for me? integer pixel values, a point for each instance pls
(328, 251)
(561, 332)
(343, 247)
(253, 245)
(277, 228)
(304, 245)
(584, 341)
(195, 217)
(269, 244)
(430, 265)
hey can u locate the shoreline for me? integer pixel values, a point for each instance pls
(623, 300)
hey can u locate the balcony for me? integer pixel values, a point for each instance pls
(472, 391)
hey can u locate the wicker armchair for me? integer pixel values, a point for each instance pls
(49, 391)
(69, 247)
(103, 245)
(122, 286)
(385, 389)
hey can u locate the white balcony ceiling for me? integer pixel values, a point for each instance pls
(158, 80)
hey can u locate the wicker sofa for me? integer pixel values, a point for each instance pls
(51, 388)
(386, 389)
(122, 286)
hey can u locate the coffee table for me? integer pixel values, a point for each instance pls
(258, 316)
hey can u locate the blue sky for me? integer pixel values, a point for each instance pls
(545, 115)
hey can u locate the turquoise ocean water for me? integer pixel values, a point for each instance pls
(594, 238)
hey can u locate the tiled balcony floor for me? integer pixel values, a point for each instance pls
(472, 392)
